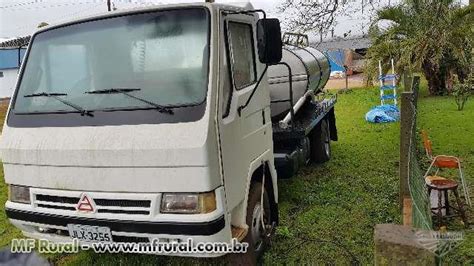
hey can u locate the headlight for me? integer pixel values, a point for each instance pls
(19, 194)
(188, 203)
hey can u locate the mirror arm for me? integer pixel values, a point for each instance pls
(239, 110)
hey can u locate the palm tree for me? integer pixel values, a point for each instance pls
(432, 36)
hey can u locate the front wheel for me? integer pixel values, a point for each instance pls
(258, 235)
(320, 142)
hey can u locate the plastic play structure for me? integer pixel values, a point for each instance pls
(392, 79)
(387, 111)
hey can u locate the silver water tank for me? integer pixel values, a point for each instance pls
(310, 71)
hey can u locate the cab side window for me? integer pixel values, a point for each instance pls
(242, 54)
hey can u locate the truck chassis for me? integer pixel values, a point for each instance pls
(292, 144)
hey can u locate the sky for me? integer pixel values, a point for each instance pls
(21, 17)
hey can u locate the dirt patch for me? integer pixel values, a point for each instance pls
(354, 81)
(3, 111)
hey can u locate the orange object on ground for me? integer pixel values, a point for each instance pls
(427, 144)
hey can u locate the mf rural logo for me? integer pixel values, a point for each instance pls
(439, 243)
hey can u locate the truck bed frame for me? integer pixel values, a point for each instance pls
(291, 144)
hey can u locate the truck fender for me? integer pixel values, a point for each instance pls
(261, 166)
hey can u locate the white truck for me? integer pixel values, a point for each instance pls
(169, 122)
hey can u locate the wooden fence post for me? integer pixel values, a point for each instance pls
(407, 116)
(406, 119)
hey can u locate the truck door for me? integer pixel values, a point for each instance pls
(243, 137)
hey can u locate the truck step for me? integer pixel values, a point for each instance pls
(238, 232)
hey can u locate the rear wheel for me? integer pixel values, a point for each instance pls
(258, 237)
(320, 142)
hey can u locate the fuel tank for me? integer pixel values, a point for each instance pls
(310, 71)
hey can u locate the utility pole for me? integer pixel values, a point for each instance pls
(109, 5)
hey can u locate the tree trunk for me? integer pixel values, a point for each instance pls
(435, 77)
(450, 81)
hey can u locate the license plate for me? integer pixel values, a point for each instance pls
(90, 233)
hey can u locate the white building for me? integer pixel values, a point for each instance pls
(7, 82)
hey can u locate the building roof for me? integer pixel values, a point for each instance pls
(16, 42)
(361, 42)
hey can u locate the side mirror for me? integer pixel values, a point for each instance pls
(269, 41)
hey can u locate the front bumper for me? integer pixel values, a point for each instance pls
(54, 228)
(138, 227)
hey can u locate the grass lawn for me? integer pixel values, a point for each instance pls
(328, 212)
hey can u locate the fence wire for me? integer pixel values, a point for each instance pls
(421, 205)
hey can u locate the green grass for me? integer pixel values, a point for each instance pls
(328, 211)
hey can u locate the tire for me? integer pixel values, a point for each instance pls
(320, 142)
(257, 243)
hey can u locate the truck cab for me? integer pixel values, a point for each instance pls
(150, 123)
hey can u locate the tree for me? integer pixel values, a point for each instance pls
(432, 36)
(320, 16)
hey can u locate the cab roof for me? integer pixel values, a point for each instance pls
(237, 6)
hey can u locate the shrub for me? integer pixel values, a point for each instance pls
(462, 91)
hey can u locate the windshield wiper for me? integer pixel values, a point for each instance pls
(56, 95)
(125, 91)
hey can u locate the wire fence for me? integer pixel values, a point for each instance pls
(420, 200)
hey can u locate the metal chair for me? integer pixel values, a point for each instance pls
(443, 162)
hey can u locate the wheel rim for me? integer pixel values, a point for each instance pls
(256, 228)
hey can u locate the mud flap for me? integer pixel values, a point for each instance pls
(332, 124)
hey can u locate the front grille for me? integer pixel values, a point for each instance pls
(123, 211)
(122, 203)
(57, 199)
(125, 205)
(56, 207)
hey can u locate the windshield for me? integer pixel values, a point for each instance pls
(162, 55)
